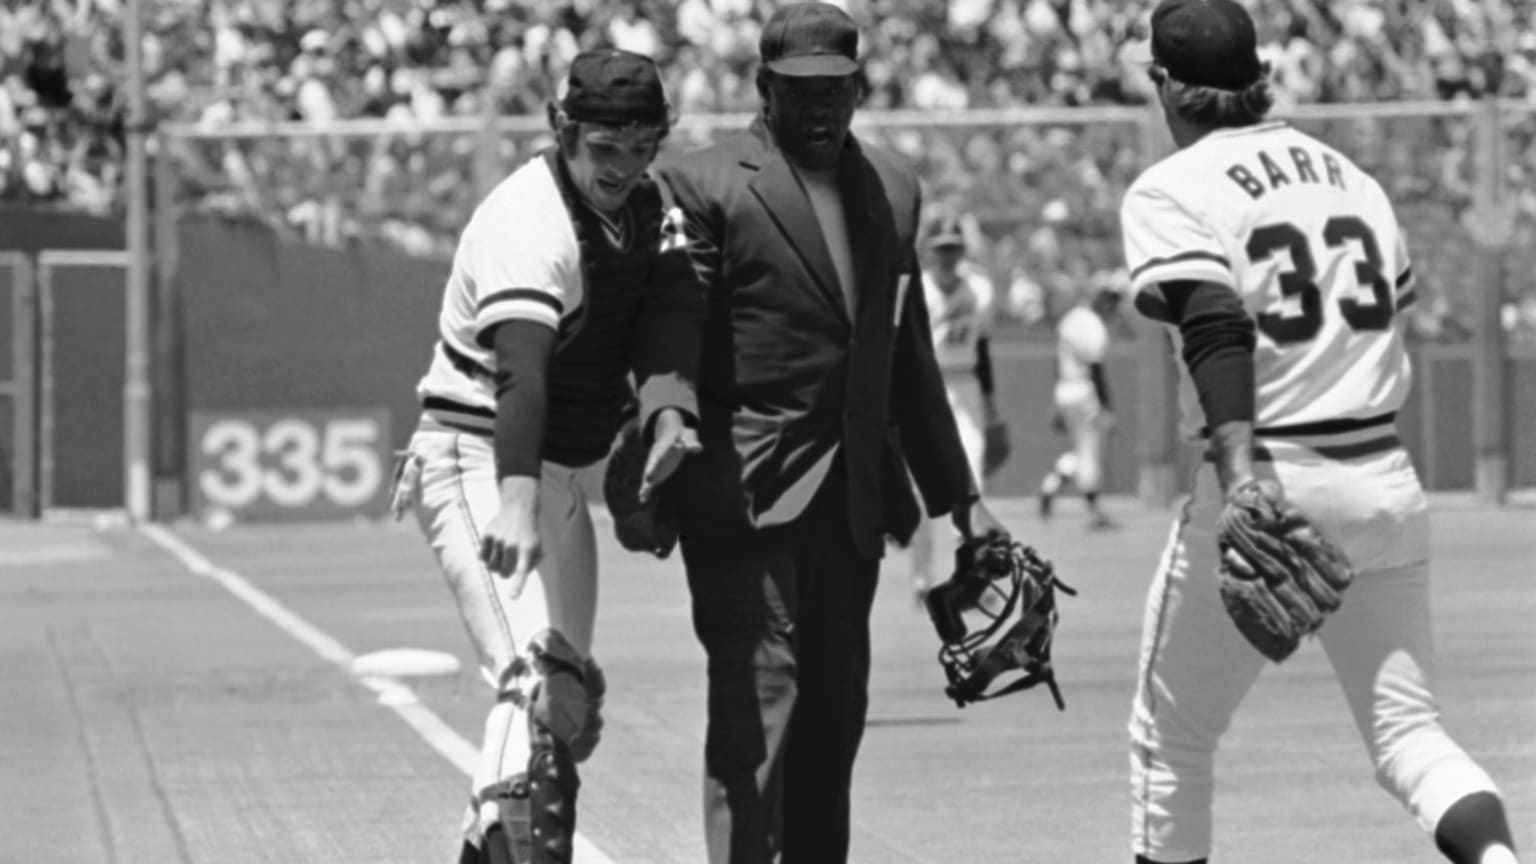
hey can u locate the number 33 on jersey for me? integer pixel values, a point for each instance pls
(1311, 245)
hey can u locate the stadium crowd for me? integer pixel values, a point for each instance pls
(1045, 197)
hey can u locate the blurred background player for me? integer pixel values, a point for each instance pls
(1279, 267)
(551, 304)
(1083, 411)
(960, 308)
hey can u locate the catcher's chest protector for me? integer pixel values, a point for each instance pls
(588, 378)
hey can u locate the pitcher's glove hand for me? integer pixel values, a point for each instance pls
(1280, 576)
(994, 454)
(641, 526)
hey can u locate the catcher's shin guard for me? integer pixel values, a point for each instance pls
(494, 848)
(536, 811)
(530, 817)
(508, 839)
(552, 787)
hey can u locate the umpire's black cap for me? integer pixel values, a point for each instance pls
(615, 88)
(1207, 43)
(810, 40)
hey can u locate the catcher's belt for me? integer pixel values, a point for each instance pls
(1013, 590)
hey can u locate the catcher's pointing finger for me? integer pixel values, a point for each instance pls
(510, 546)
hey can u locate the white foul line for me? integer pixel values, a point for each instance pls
(392, 694)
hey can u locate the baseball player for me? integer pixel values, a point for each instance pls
(548, 309)
(1083, 411)
(1280, 269)
(960, 300)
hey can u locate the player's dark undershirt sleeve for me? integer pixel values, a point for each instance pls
(523, 349)
(1100, 383)
(1219, 339)
(984, 366)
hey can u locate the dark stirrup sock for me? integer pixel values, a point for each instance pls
(1473, 823)
(1142, 859)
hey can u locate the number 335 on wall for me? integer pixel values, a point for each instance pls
(299, 464)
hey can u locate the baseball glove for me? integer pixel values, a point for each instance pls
(641, 526)
(1280, 576)
(1014, 589)
(994, 454)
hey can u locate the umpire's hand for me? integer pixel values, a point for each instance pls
(674, 440)
(975, 519)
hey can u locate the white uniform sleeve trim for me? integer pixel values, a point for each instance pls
(1197, 266)
(526, 304)
(1166, 241)
(521, 253)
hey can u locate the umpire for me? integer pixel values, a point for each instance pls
(802, 239)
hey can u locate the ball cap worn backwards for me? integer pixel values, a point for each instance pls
(1207, 43)
(615, 88)
(810, 40)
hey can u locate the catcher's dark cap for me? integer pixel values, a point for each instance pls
(615, 88)
(1207, 43)
(945, 231)
(810, 39)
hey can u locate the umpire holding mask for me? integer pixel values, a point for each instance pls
(801, 238)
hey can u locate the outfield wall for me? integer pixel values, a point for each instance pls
(275, 328)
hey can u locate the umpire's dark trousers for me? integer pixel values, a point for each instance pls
(783, 614)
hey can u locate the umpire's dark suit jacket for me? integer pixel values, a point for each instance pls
(787, 375)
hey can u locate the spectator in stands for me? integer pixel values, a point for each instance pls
(216, 62)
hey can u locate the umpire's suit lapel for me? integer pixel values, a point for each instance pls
(777, 187)
(871, 233)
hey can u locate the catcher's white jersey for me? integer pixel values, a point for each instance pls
(960, 318)
(1311, 245)
(519, 258)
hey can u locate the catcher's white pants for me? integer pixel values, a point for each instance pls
(935, 539)
(457, 495)
(1196, 667)
(1083, 463)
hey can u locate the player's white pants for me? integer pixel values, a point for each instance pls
(934, 542)
(1196, 668)
(457, 496)
(1083, 462)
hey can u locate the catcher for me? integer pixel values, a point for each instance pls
(1279, 269)
(551, 305)
(960, 300)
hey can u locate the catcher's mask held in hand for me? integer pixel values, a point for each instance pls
(1014, 589)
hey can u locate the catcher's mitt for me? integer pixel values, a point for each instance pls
(1014, 589)
(995, 452)
(1280, 576)
(641, 526)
